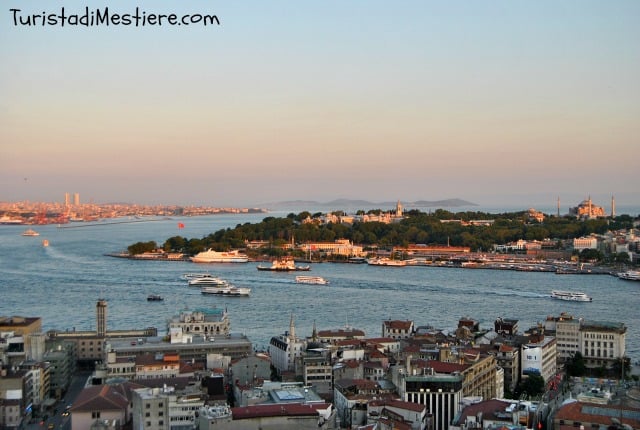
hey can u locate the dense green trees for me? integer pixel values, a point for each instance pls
(142, 247)
(417, 227)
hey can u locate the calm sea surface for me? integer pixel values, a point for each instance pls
(61, 283)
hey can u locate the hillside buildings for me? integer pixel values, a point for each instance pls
(202, 374)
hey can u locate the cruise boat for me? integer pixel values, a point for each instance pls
(316, 280)
(227, 290)
(207, 280)
(30, 232)
(154, 298)
(385, 261)
(570, 296)
(630, 275)
(284, 265)
(211, 256)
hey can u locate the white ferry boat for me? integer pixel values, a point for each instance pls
(207, 280)
(385, 261)
(228, 290)
(630, 275)
(284, 265)
(571, 296)
(211, 256)
(316, 280)
(30, 232)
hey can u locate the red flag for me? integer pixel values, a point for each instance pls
(180, 225)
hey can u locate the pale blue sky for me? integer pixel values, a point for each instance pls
(496, 102)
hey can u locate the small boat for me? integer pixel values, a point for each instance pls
(284, 265)
(227, 290)
(570, 296)
(315, 280)
(45, 242)
(154, 298)
(30, 232)
(211, 256)
(207, 280)
(630, 275)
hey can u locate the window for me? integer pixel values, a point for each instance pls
(95, 415)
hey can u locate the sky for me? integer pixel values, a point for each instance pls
(496, 102)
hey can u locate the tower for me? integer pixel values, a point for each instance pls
(558, 206)
(292, 329)
(613, 207)
(399, 209)
(101, 317)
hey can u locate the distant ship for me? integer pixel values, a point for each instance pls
(384, 261)
(284, 265)
(211, 256)
(30, 232)
(10, 221)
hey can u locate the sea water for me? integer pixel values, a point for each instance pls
(62, 282)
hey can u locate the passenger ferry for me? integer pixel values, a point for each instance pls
(211, 256)
(284, 265)
(570, 296)
(316, 280)
(226, 290)
(207, 280)
(385, 261)
(630, 275)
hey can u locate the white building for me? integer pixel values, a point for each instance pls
(286, 349)
(602, 343)
(581, 243)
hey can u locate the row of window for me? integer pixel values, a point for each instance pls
(599, 336)
(594, 344)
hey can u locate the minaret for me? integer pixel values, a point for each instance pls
(558, 206)
(399, 209)
(613, 207)
(292, 329)
(590, 213)
(101, 317)
(314, 332)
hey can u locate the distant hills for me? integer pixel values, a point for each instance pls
(340, 204)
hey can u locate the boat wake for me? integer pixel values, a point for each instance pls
(57, 255)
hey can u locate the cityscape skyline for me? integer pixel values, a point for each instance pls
(500, 104)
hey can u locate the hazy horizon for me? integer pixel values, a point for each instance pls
(499, 103)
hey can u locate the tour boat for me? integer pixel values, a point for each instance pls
(211, 256)
(226, 290)
(571, 296)
(207, 280)
(284, 265)
(630, 275)
(316, 280)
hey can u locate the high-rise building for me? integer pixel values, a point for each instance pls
(76, 199)
(67, 199)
